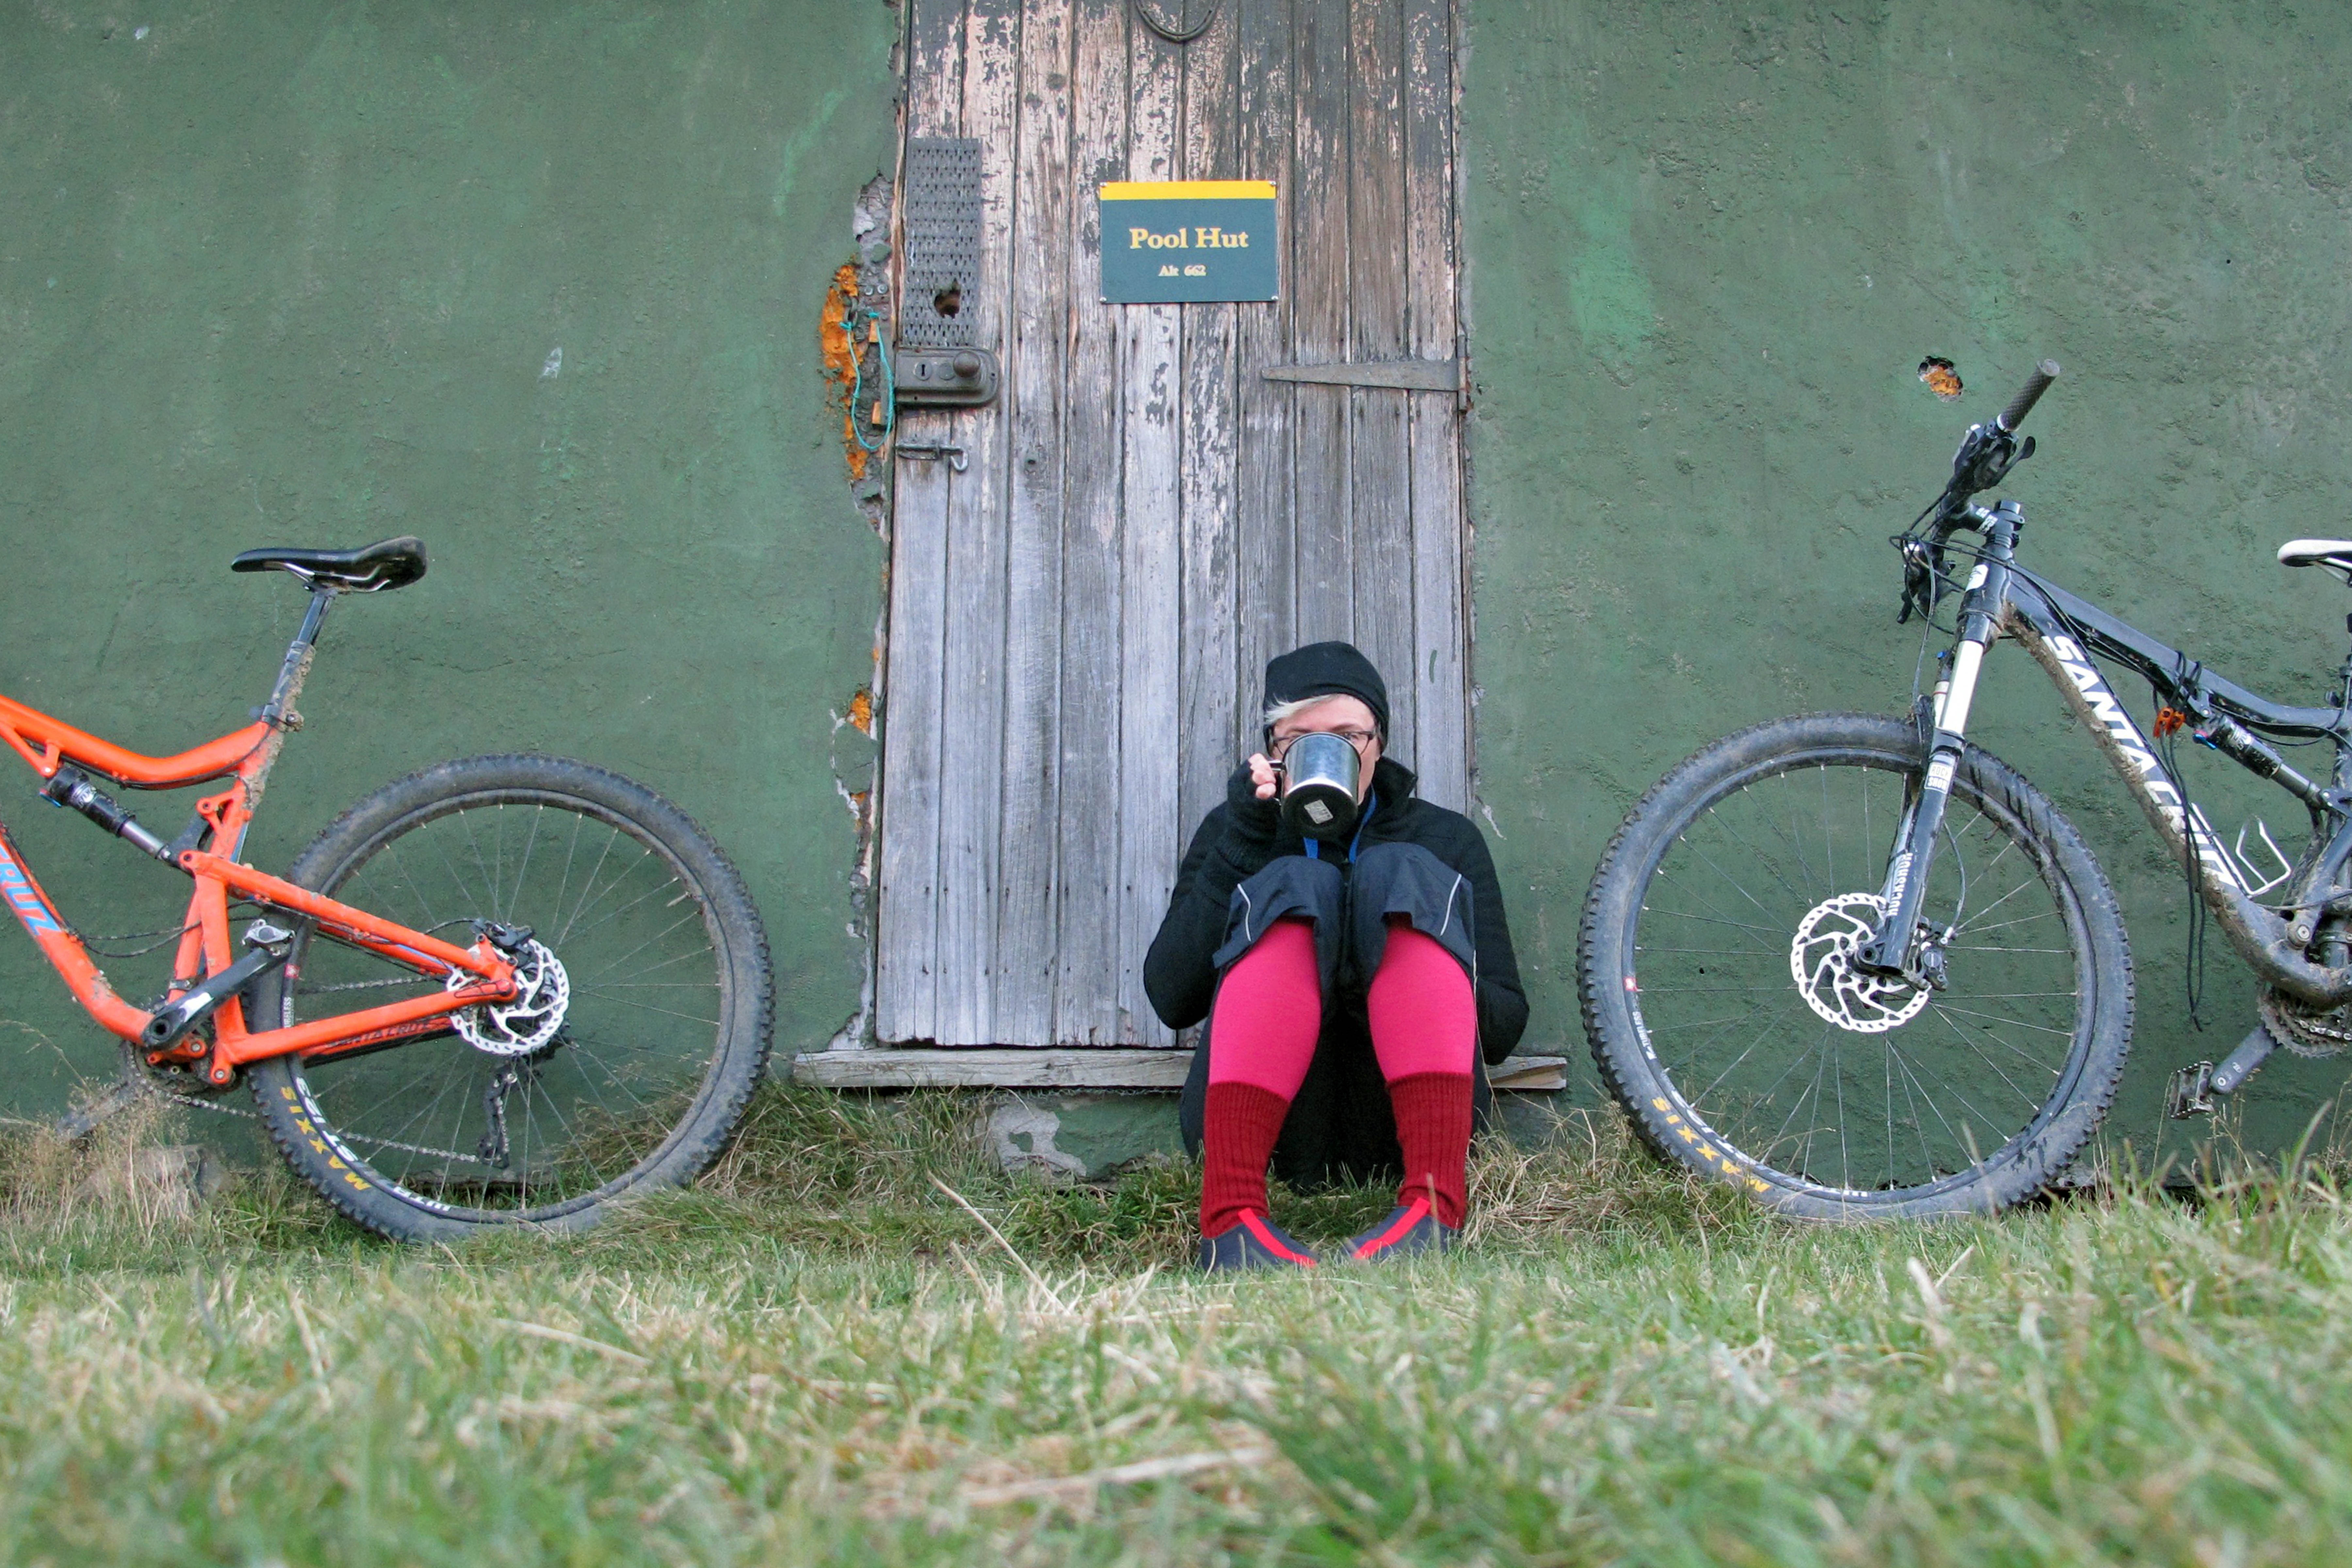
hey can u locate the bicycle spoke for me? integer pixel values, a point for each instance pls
(646, 997)
(1788, 1088)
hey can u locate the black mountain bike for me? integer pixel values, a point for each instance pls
(1859, 968)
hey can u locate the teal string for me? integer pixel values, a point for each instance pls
(859, 344)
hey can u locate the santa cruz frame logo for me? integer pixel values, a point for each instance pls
(23, 896)
(2147, 775)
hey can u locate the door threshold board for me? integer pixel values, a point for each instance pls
(1046, 1068)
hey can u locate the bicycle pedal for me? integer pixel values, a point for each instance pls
(2189, 1092)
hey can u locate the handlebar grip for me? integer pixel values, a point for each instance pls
(2029, 395)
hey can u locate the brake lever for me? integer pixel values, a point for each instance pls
(1987, 454)
(1922, 565)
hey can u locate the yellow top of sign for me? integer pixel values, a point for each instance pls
(1188, 190)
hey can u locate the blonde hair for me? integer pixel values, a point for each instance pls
(1275, 713)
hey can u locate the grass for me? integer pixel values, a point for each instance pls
(820, 1357)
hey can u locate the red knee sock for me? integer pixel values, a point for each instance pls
(1243, 1123)
(1425, 1022)
(1262, 1034)
(1433, 1118)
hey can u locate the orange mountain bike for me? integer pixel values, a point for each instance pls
(578, 1012)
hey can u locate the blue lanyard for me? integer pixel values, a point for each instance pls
(1372, 804)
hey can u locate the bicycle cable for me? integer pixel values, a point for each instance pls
(162, 938)
(238, 908)
(2169, 723)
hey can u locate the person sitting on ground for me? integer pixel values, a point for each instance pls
(1351, 987)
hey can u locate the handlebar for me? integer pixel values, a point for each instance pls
(2028, 396)
(1987, 454)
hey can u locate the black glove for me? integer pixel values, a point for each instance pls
(1248, 818)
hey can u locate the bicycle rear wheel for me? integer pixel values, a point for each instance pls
(632, 1081)
(1714, 971)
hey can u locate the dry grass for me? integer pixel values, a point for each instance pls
(823, 1358)
(127, 1175)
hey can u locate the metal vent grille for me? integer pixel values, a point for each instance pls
(942, 238)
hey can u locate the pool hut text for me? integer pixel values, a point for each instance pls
(1188, 241)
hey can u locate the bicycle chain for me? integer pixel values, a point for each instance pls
(212, 1103)
(2303, 1033)
(206, 1102)
(160, 1082)
(161, 1079)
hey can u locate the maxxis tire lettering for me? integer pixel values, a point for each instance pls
(304, 1137)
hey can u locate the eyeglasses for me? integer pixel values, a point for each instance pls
(1279, 745)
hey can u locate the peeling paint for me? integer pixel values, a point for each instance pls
(841, 356)
(1020, 1137)
(854, 336)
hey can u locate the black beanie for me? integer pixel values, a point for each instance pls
(1328, 670)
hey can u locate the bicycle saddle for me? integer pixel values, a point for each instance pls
(386, 564)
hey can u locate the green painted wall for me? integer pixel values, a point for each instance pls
(286, 273)
(1708, 248)
(310, 265)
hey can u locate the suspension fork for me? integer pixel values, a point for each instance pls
(1893, 949)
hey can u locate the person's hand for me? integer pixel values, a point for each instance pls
(1261, 769)
(1250, 812)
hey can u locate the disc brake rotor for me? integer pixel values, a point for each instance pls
(2299, 1030)
(1820, 957)
(530, 1019)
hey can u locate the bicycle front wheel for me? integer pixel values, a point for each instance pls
(1723, 1008)
(629, 1070)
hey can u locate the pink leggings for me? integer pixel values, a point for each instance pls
(1269, 1010)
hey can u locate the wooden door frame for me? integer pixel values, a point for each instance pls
(1111, 1065)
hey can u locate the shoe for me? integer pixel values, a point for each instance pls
(1256, 1243)
(1410, 1230)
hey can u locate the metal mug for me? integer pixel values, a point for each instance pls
(1319, 775)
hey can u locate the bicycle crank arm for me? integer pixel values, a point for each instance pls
(183, 1013)
(2193, 1090)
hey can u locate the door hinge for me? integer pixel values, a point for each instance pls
(1404, 374)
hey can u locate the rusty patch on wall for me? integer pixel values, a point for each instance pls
(854, 336)
(850, 335)
(1941, 378)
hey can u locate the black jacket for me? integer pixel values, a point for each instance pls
(1237, 839)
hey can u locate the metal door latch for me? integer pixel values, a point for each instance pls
(944, 377)
(932, 452)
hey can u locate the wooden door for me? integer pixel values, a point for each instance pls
(1162, 497)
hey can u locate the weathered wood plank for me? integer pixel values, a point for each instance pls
(1440, 525)
(1524, 1073)
(1210, 678)
(1086, 867)
(1151, 537)
(971, 704)
(1266, 545)
(1029, 783)
(1380, 496)
(1320, 262)
(1079, 618)
(906, 938)
(1099, 1069)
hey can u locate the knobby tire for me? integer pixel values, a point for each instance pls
(668, 1032)
(1700, 1029)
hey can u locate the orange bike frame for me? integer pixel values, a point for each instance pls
(245, 758)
